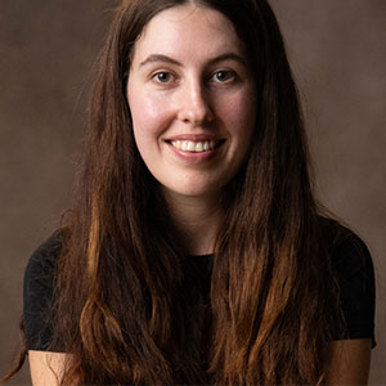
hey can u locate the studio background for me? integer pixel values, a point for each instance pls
(47, 48)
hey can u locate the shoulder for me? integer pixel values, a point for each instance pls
(350, 257)
(38, 287)
(352, 265)
(44, 258)
(349, 253)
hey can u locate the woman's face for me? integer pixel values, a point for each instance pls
(192, 100)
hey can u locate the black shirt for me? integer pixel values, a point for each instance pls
(350, 259)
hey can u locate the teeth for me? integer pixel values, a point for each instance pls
(194, 147)
(199, 146)
(191, 146)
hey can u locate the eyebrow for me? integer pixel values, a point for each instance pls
(166, 59)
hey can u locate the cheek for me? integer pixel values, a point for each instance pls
(145, 112)
(149, 112)
(240, 115)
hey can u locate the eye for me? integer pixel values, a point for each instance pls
(224, 76)
(162, 77)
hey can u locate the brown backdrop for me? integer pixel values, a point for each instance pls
(338, 52)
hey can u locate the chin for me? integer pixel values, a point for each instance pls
(193, 191)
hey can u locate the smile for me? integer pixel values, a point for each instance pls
(194, 147)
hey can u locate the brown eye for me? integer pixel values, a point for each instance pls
(224, 76)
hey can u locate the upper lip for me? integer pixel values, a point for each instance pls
(194, 137)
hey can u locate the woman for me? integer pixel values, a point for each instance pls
(196, 252)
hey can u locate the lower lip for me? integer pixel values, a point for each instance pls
(194, 157)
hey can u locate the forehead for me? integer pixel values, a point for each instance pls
(188, 29)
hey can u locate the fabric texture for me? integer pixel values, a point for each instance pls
(350, 259)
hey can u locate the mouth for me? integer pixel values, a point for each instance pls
(196, 146)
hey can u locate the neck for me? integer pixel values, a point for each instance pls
(197, 219)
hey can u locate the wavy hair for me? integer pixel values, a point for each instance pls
(122, 307)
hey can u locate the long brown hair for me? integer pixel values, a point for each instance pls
(121, 306)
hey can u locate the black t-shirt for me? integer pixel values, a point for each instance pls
(350, 259)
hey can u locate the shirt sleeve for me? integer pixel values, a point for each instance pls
(38, 293)
(355, 274)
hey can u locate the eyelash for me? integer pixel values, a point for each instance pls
(157, 74)
(231, 76)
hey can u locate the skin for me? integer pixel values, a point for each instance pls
(196, 98)
(46, 368)
(350, 362)
(173, 91)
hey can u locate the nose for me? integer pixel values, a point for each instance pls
(194, 104)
